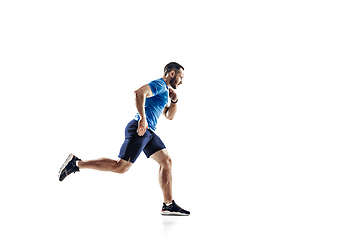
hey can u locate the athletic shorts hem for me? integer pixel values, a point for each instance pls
(149, 155)
(134, 144)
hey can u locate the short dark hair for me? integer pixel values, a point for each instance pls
(172, 66)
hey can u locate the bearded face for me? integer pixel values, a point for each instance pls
(177, 79)
(173, 82)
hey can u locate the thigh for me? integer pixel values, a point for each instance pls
(153, 146)
(133, 144)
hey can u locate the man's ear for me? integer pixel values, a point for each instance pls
(172, 73)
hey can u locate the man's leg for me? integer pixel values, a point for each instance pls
(165, 176)
(106, 164)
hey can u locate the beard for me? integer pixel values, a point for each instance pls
(173, 83)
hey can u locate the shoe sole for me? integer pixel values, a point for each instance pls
(168, 213)
(70, 157)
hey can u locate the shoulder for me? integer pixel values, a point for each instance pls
(159, 82)
(158, 86)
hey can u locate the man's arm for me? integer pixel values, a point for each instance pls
(140, 95)
(171, 110)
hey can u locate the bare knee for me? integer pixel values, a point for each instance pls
(121, 170)
(122, 167)
(166, 163)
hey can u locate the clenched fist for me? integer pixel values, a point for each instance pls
(172, 94)
(143, 125)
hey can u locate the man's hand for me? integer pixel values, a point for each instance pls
(143, 125)
(172, 94)
(170, 111)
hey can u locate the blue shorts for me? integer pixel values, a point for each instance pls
(134, 144)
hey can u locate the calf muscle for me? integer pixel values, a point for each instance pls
(106, 164)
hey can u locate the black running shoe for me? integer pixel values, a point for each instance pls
(174, 210)
(68, 167)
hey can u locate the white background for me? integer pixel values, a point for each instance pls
(265, 144)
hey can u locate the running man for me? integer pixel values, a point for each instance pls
(151, 100)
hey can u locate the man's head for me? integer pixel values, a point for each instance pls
(175, 72)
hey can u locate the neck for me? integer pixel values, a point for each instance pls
(167, 80)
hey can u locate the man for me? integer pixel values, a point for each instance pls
(151, 100)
